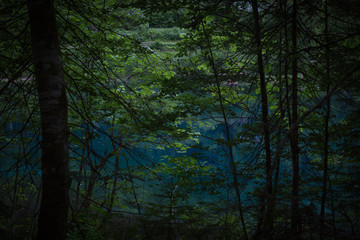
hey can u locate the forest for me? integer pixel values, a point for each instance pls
(180, 120)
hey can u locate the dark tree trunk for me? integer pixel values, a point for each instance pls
(327, 118)
(53, 109)
(265, 217)
(294, 141)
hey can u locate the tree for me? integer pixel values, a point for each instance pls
(294, 139)
(54, 118)
(268, 192)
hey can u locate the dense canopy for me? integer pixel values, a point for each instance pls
(180, 119)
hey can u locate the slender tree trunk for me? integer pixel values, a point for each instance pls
(228, 137)
(268, 194)
(170, 230)
(82, 168)
(54, 116)
(325, 173)
(145, 234)
(113, 193)
(15, 199)
(95, 173)
(281, 106)
(295, 213)
(90, 187)
(333, 213)
(114, 188)
(286, 69)
(326, 140)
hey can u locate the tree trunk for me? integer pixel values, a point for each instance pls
(53, 110)
(294, 140)
(267, 198)
(283, 97)
(227, 135)
(327, 118)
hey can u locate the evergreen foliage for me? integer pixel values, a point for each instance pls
(190, 119)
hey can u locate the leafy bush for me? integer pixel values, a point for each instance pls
(170, 34)
(157, 45)
(143, 33)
